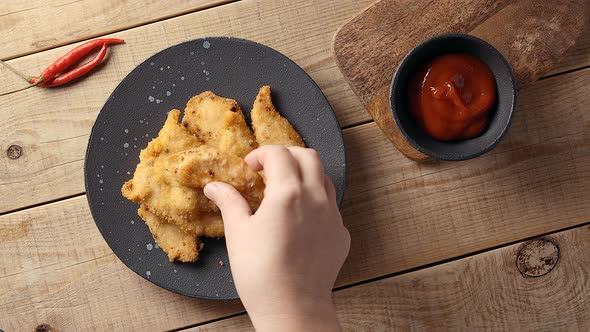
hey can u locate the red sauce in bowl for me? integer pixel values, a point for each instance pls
(452, 96)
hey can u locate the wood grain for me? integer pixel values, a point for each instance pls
(536, 179)
(42, 24)
(56, 269)
(577, 57)
(401, 215)
(53, 125)
(533, 36)
(485, 292)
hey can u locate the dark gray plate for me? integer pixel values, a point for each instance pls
(135, 112)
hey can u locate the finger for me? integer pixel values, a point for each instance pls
(330, 189)
(235, 210)
(310, 165)
(277, 162)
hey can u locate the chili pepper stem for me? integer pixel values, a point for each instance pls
(16, 71)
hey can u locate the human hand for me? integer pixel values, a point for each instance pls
(285, 258)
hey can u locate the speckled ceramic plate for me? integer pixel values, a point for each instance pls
(136, 111)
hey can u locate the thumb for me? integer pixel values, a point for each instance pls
(234, 208)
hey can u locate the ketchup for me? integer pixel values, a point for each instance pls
(452, 96)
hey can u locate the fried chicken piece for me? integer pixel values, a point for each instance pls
(219, 122)
(236, 137)
(158, 189)
(209, 224)
(177, 244)
(178, 195)
(199, 166)
(270, 128)
(208, 146)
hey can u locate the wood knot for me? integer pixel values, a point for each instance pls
(14, 151)
(44, 328)
(537, 258)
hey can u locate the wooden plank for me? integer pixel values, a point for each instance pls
(486, 292)
(56, 269)
(52, 126)
(31, 26)
(401, 215)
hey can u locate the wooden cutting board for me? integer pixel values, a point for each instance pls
(533, 35)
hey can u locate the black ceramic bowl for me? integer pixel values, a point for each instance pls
(500, 116)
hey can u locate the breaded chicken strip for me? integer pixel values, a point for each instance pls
(270, 128)
(159, 190)
(219, 122)
(177, 244)
(199, 166)
(209, 224)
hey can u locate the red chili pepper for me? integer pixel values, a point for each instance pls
(76, 72)
(73, 56)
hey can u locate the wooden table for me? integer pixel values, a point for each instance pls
(440, 246)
